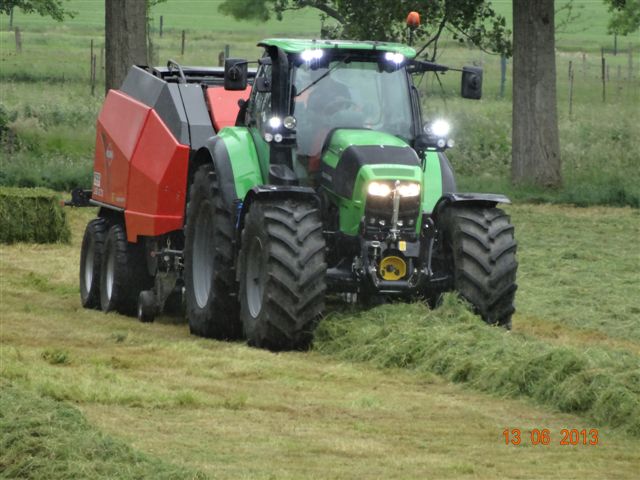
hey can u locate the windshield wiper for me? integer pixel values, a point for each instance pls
(322, 76)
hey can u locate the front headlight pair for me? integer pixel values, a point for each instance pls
(383, 189)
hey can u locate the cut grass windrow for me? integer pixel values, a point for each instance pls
(600, 384)
(61, 444)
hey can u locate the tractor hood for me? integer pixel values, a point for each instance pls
(353, 157)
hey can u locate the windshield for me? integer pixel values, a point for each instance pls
(349, 95)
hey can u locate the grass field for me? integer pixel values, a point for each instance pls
(47, 113)
(228, 411)
(396, 392)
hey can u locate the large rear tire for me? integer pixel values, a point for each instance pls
(210, 286)
(90, 262)
(123, 273)
(282, 274)
(482, 247)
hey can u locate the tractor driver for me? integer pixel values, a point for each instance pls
(323, 107)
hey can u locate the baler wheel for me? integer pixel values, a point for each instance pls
(482, 247)
(282, 274)
(147, 306)
(123, 272)
(90, 262)
(210, 286)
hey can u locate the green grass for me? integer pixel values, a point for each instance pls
(602, 384)
(378, 397)
(43, 438)
(48, 115)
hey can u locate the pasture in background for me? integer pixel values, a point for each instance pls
(47, 111)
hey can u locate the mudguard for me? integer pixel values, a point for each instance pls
(235, 160)
(479, 199)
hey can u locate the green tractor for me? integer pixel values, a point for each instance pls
(329, 183)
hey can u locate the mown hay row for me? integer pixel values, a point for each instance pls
(44, 438)
(598, 383)
(32, 215)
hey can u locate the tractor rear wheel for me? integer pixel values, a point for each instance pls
(282, 274)
(210, 286)
(90, 260)
(123, 273)
(482, 248)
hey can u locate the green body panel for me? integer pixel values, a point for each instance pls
(292, 45)
(244, 159)
(352, 209)
(344, 138)
(431, 181)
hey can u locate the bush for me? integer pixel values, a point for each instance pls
(32, 215)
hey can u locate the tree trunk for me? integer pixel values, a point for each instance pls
(125, 39)
(536, 146)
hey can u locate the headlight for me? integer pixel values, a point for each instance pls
(409, 189)
(275, 122)
(396, 58)
(309, 55)
(440, 128)
(379, 189)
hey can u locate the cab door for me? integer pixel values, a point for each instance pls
(258, 114)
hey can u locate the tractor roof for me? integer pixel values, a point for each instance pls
(296, 45)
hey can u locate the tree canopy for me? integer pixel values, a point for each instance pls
(47, 8)
(473, 21)
(625, 16)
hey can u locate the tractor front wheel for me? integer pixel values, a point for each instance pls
(282, 274)
(482, 248)
(210, 286)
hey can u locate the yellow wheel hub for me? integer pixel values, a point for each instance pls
(392, 268)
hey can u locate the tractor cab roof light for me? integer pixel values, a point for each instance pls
(394, 57)
(309, 55)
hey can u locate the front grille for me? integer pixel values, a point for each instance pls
(380, 209)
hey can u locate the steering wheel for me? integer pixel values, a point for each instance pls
(339, 104)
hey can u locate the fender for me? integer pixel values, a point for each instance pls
(235, 161)
(479, 199)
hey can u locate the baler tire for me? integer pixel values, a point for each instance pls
(210, 285)
(482, 246)
(123, 273)
(282, 274)
(90, 262)
(147, 306)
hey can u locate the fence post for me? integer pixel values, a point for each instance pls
(11, 18)
(630, 64)
(570, 89)
(161, 24)
(503, 74)
(615, 44)
(93, 76)
(182, 48)
(226, 51)
(91, 60)
(602, 74)
(18, 39)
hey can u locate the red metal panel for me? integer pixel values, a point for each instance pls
(119, 125)
(157, 182)
(223, 105)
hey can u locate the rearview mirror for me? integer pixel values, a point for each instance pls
(235, 74)
(471, 86)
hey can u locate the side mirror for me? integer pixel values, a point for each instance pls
(235, 74)
(471, 83)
